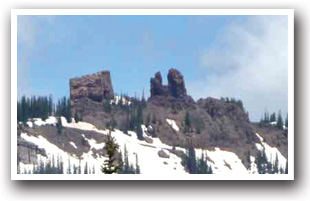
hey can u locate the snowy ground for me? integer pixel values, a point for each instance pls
(149, 161)
(271, 152)
(173, 125)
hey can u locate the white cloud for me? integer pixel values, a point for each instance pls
(249, 61)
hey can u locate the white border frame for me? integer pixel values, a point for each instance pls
(288, 12)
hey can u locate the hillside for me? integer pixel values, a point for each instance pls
(156, 134)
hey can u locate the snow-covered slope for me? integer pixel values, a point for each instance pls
(271, 152)
(221, 161)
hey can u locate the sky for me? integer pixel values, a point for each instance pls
(245, 57)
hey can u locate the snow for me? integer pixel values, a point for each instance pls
(173, 125)
(150, 162)
(93, 144)
(271, 152)
(73, 144)
(253, 168)
(25, 168)
(30, 124)
(148, 158)
(118, 99)
(80, 125)
(49, 121)
(223, 161)
(53, 152)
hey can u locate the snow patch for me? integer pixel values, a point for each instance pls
(173, 125)
(223, 161)
(73, 144)
(271, 153)
(49, 121)
(53, 153)
(30, 124)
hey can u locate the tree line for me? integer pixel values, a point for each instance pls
(42, 107)
(273, 118)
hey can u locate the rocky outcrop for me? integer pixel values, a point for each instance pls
(175, 88)
(176, 85)
(174, 94)
(157, 88)
(95, 87)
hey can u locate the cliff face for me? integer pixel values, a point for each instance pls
(95, 87)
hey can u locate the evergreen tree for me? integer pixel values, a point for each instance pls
(273, 117)
(68, 111)
(109, 166)
(76, 117)
(59, 125)
(276, 165)
(279, 121)
(86, 168)
(202, 167)
(107, 106)
(191, 159)
(187, 121)
(266, 117)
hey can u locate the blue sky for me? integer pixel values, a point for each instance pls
(218, 55)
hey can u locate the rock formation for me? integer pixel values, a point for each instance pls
(95, 87)
(176, 85)
(157, 88)
(175, 88)
(172, 94)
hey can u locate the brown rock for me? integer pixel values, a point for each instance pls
(95, 87)
(176, 84)
(157, 88)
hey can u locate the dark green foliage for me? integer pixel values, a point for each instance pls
(187, 122)
(34, 107)
(191, 162)
(202, 166)
(109, 166)
(261, 161)
(86, 168)
(266, 117)
(59, 125)
(63, 108)
(197, 123)
(193, 165)
(266, 167)
(107, 106)
(76, 118)
(279, 121)
(273, 117)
